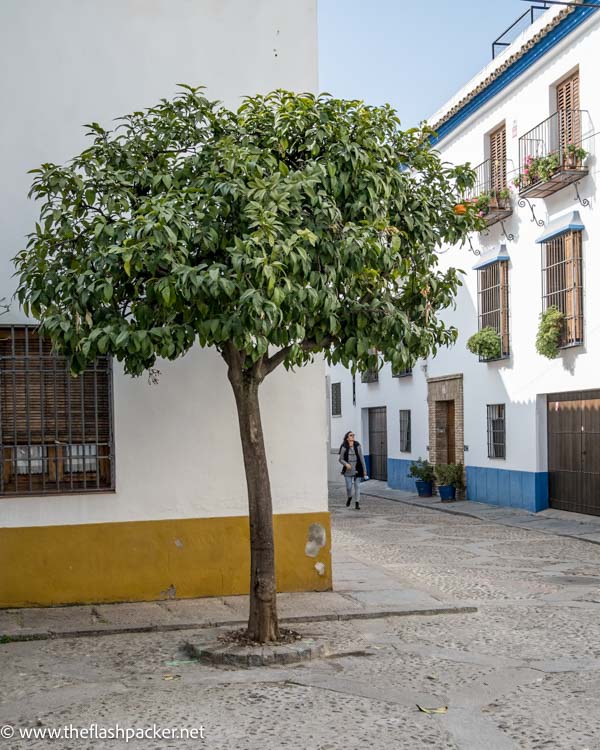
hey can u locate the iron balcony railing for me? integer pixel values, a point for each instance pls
(491, 194)
(551, 155)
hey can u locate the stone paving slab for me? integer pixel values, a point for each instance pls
(361, 591)
(395, 598)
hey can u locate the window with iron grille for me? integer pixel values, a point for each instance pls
(492, 296)
(369, 376)
(496, 431)
(402, 373)
(336, 399)
(55, 430)
(562, 284)
(405, 430)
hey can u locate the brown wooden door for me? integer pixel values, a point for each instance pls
(445, 425)
(574, 451)
(378, 443)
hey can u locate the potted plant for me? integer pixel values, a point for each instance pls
(449, 478)
(504, 196)
(546, 166)
(482, 203)
(549, 332)
(424, 475)
(486, 343)
(574, 156)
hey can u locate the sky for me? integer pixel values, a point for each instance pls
(412, 54)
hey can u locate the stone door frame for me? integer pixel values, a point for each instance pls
(442, 389)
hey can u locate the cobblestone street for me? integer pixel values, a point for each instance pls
(521, 672)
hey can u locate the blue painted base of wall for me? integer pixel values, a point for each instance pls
(398, 478)
(527, 490)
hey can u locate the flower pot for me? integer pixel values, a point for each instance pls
(424, 489)
(447, 492)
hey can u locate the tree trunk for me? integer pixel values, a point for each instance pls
(262, 622)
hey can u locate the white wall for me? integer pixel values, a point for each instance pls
(521, 381)
(68, 62)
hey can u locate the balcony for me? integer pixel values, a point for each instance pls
(491, 194)
(551, 156)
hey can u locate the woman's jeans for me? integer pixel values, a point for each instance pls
(349, 481)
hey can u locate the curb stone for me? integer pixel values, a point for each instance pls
(340, 616)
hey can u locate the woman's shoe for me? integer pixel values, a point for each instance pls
(357, 507)
(348, 501)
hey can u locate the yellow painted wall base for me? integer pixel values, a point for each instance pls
(151, 560)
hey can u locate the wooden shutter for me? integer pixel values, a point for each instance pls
(41, 404)
(504, 307)
(498, 159)
(573, 298)
(568, 108)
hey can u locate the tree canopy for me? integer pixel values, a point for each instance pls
(297, 224)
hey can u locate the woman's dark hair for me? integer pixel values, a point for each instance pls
(345, 443)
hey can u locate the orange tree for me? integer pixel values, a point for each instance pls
(294, 226)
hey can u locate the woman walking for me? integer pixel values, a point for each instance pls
(354, 471)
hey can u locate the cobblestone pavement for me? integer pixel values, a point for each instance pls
(523, 672)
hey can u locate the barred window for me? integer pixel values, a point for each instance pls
(402, 373)
(369, 376)
(405, 431)
(55, 430)
(562, 283)
(336, 399)
(496, 431)
(492, 295)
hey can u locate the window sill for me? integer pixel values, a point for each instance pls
(57, 493)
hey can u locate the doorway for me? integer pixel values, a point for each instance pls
(574, 451)
(378, 443)
(445, 426)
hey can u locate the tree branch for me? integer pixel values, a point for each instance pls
(270, 363)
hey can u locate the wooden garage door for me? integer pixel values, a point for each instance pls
(378, 443)
(574, 451)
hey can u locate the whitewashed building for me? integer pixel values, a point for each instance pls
(527, 428)
(112, 489)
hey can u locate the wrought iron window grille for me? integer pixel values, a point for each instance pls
(405, 431)
(493, 304)
(56, 431)
(336, 399)
(562, 284)
(496, 431)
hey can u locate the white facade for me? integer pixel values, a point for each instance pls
(65, 63)
(522, 381)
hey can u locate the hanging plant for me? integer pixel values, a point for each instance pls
(486, 343)
(549, 332)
